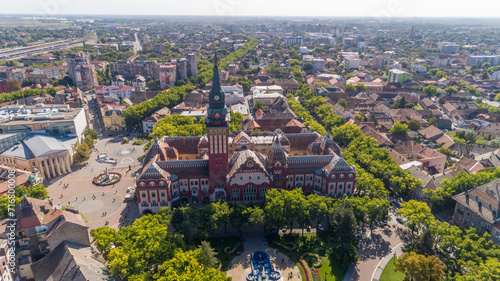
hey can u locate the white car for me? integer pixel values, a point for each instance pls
(320, 227)
(129, 197)
(130, 189)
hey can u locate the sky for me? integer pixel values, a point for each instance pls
(309, 8)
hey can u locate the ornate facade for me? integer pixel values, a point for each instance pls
(238, 167)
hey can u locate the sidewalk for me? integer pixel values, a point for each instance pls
(398, 250)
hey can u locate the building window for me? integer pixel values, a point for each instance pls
(144, 194)
(163, 194)
(153, 194)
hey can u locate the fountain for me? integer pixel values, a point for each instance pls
(107, 178)
(262, 268)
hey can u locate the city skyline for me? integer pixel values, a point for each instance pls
(318, 8)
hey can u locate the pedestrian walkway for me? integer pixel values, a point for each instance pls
(240, 265)
(396, 251)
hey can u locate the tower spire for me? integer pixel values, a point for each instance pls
(216, 61)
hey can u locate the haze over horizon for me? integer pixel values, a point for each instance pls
(315, 8)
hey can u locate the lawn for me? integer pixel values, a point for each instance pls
(309, 243)
(390, 275)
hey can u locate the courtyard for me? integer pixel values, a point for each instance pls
(100, 204)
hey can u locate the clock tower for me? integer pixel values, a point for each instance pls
(217, 133)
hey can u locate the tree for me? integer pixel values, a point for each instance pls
(343, 236)
(89, 141)
(398, 129)
(350, 88)
(432, 121)
(239, 218)
(414, 125)
(209, 255)
(446, 151)
(153, 85)
(82, 153)
(497, 97)
(104, 237)
(307, 67)
(257, 105)
(125, 140)
(442, 100)
(343, 103)
(450, 90)
(441, 74)
(430, 91)
(235, 123)
(181, 222)
(90, 132)
(417, 215)
(256, 216)
(13, 85)
(360, 87)
(188, 265)
(486, 65)
(420, 268)
(221, 213)
(486, 271)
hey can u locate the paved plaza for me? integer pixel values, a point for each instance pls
(381, 242)
(99, 204)
(240, 266)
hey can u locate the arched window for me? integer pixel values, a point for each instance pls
(332, 176)
(194, 191)
(153, 194)
(342, 176)
(351, 175)
(151, 183)
(278, 164)
(142, 184)
(162, 183)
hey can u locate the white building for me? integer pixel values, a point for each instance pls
(418, 68)
(493, 60)
(447, 47)
(318, 64)
(303, 50)
(352, 62)
(121, 92)
(443, 60)
(495, 75)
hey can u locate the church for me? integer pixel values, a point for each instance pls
(240, 166)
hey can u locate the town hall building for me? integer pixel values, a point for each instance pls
(240, 166)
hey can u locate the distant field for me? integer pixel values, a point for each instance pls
(20, 22)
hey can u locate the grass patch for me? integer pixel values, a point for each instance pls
(451, 134)
(389, 274)
(309, 243)
(418, 107)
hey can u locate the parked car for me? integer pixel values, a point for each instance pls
(131, 189)
(130, 197)
(320, 227)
